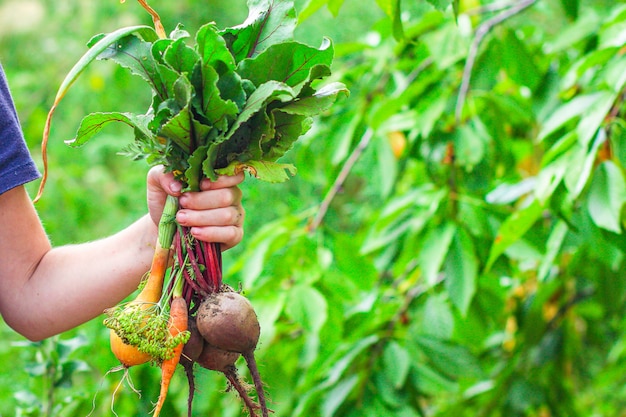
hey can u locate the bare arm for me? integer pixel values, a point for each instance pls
(45, 290)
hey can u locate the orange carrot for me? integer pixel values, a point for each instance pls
(178, 323)
(153, 289)
(150, 295)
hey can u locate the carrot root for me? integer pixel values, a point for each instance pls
(178, 323)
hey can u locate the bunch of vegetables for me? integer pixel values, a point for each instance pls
(223, 102)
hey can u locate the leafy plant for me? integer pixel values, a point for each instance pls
(437, 254)
(53, 366)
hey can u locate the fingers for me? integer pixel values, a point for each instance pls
(227, 236)
(214, 214)
(224, 181)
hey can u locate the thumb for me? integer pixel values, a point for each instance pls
(159, 185)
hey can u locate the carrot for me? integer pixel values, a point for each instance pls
(178, 323)
(150, 295)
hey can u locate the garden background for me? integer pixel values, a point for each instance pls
(452, 245)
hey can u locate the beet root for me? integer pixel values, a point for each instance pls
(227, 321)
(193, 347)
(216, 359)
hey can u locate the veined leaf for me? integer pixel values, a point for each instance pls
(178, 130)
(259, 99)
(287, 129)
(95, 122)
(213, 107)
(397, 364)
(212, 47)
(96, 46)
(136, 55)
(450, 359)
(268, 22)
(296, 61)
(582, 157)
(319, 102)
(181, 57)
(193, 174)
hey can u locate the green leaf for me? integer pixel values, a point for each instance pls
(319, 102)
(396, 364)
(393, 10)
(594, 116)
(350, 351)
(266, 93)
(65, 347)
(518, 61)
(454, 361)
(213, 107)
(95, 122)
(212, 47)
(429, 381)
(438, 320)
(337, 396)
(607, 196)
(194, 173)
(434, 251)
(136, 55)
(99, 44)
(566, 112)
(68, 371)
(583, 157)
(180, 57)
(553, 246)
(178, 130)
(307, 306)
(296, 62)
(287, 129)
(513, 229)
(461, 270)
(269, 22)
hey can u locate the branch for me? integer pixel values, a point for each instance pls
(481, 32)
(341, 178)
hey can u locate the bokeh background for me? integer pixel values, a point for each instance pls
(471, 263)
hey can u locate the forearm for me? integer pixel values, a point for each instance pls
(75, 283)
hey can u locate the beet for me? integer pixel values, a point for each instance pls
(216, 359)
(227, 321)
(194, 345)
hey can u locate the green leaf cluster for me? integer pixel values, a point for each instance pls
(234, 100)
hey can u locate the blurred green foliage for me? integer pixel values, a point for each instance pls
(476, 271)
